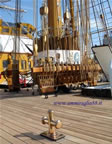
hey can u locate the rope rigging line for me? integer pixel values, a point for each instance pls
(92, 1)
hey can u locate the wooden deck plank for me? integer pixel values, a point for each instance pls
(11, 138)
(13, 132)
(22, 135)
(3, 141)
(90, 131)
(31, 133)
(108, 124)
(78, 114)
(26, 135)
(82, 109)
(85, 137)
(66, 141)
(82, 130)
(21, 116)
(76, 130)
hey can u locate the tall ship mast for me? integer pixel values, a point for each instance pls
(67, 48)
(64, 46)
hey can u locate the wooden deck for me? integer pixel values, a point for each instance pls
(21, 115)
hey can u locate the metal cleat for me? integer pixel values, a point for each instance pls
(53, 125)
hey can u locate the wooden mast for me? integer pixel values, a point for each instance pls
(54, 16)
(15, 66)
(73, 25)
(72, 14)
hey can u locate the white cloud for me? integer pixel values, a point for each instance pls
(93, 24)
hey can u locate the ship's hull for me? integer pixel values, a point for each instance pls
(25, 64)
(24, 57)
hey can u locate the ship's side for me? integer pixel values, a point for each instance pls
(7, 44)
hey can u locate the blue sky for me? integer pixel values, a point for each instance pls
(26, 17)
(27, 5)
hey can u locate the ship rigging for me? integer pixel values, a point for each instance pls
(63, 49)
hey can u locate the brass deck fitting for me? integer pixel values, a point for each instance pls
(53, 125)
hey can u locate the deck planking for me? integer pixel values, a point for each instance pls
(21, 115)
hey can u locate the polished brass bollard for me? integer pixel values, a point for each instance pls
(53, 125)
